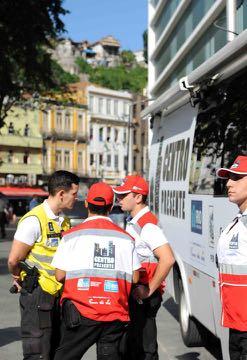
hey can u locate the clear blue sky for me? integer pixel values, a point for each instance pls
(91, 20)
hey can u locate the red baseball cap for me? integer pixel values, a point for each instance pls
(132, 183)
(238, 167)
(100, 194)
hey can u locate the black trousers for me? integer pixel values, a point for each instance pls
(142, 332)
(237, 344)
(77, 340)
(40, 324)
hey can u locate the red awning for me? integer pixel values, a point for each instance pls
(22, 191)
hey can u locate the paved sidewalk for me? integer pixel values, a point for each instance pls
(5, 245)
(10, 346)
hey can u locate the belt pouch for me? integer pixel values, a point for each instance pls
(71, 316)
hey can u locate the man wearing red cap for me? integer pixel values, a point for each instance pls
(97, 262)
(156, 259)
(232, 260)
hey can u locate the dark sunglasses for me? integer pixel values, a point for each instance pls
(122, 196)
(235, 177)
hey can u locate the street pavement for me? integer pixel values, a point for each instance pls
(170, 343)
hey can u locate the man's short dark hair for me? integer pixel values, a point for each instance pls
(61, 180)
(144, 197)
(99, 210)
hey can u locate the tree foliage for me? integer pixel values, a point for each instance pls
(120, 77)
(27, 29)
(128, 58)
(84, 67)
(61, 78)
(221, 131)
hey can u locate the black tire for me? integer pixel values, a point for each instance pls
(191, 330)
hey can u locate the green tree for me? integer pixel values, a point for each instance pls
(121, 77)
(27, 30)
(128, 58)
(84, 67)
(112, 78)
(221, 130)
(137, 79)
(61, 78)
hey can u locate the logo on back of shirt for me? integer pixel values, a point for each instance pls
(111, 286)
(234, 242)
(104, 258)
(83, 284)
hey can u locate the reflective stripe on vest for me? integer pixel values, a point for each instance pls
(40, 267)
(233, 269)
(148, 259)
(111, 274)
(100, 232)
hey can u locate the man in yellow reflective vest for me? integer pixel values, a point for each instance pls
(36, 240)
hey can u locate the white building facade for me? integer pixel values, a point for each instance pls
(185, 33)
(110, 134)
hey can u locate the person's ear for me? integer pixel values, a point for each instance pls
(86, 204)
(138, 198)
(60, 194)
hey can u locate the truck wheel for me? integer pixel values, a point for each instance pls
(191, 330)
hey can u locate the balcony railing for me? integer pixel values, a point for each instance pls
(12, 168)
(22, 141)
(62, 135)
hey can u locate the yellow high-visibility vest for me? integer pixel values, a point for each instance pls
(43, 250)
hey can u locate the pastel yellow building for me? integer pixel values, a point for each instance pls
(64, 127)
(21, 148)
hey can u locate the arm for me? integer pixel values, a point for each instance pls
(135, 276)
(166, 260)
(60, 275)
(28, 231)
(59, 261)
(18, 252)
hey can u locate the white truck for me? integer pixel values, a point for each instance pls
(199, 125)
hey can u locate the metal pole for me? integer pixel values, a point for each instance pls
(231, 11)
(129, 145)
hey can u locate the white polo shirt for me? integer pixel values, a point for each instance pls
(150, 238)
(29, 231)
(232, 244)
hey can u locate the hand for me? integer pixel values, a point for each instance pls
(140, 292)
(15, 282)
(16, 277)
